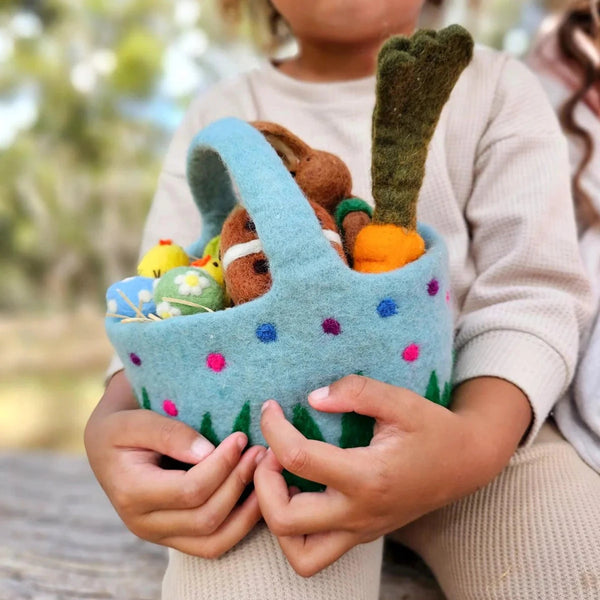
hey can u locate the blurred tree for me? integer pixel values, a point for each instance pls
(76, 184)
(86, 126)
(89, 94)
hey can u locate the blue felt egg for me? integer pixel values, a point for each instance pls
(138, 290)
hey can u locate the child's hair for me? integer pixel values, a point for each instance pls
(579, 43)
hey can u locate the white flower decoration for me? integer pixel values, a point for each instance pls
(165, 311)
(191, 283)
(145, 296)
(111, 306)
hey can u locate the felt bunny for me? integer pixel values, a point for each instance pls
(245, 265)
(325, 181)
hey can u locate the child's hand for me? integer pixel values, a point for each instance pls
(422, 457)
(193, 511)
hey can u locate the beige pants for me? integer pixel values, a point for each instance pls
(533, 533)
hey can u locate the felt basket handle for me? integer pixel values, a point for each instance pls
(230, 162)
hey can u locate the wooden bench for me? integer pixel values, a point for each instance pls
(60, 539)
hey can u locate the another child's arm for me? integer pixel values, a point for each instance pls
(193, 511)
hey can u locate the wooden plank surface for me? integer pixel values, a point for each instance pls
(60, 539)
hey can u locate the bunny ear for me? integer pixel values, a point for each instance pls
(290, 148)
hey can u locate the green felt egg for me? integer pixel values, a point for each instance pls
(185, 291)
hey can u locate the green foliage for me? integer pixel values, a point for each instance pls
(77, 184)
(139, 56)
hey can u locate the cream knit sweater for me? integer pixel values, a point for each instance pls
(578, 413)
(497, 188)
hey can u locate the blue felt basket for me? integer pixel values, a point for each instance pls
(319, 322)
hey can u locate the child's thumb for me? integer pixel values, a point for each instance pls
(365, 396)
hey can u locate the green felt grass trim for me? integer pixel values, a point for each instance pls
(434, 393)
(305, 424)
(349, 205)
(447, 395)
(206, 429)
(357, 430)
(242, 421)
(433, 388)
(145, 399)
(414, 79)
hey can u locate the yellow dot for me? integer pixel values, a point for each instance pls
(192, 280)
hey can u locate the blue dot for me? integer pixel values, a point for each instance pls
(266, 333)
(387, 308)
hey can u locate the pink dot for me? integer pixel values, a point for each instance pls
(411, 353)
(170, 408)
(216, 362)
(448, 297)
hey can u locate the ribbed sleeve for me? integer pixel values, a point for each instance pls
(523, 312)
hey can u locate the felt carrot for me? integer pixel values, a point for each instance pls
(414, 79)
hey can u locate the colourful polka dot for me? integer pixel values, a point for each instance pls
(411, 353)
(387, 308)
(433, 287)
(135, 359)
(266, 333)
(170, 408)
(216, 362)
(448, 297)
(332, 327)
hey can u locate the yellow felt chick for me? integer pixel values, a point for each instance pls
(162, 258)
(210, 261)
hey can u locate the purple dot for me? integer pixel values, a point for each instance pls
(433, 287)
(135, 359)
(332, 327)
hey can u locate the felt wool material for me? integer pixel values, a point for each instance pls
(349, 206)
(160, 259)
(210, 261)
(323, 177)
(246, 266)
(206, 429)
(131, 297)
(308, 289)
(354, 223)
(189, 289)
(385, 247)
(351, 215)
(357, 430)
(414, 79)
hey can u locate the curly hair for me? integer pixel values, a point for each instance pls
(581, 18)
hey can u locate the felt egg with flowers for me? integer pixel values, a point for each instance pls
(320, 319)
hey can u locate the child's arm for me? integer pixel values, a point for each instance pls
(193, 511)
(422, 457)
(517, 342)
